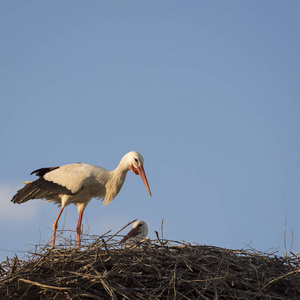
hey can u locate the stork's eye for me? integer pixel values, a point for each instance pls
(135, 159)
(140, 225)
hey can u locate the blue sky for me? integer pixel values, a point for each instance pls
(207, 91)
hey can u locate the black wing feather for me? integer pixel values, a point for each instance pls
(39, 189)
(41, 172)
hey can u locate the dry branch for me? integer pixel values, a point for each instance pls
(159, 269)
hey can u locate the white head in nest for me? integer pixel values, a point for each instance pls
(138, 232)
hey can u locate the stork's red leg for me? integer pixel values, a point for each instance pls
(55, 226)
(78, 228)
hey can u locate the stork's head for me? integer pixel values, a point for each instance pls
(138, 232)
(136, 162)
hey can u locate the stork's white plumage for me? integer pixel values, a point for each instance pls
(138, 232)
(78, 183)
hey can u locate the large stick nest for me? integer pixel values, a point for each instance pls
(159, 269)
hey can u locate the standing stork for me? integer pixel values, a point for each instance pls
(78, 183)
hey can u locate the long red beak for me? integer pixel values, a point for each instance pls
(131, 233)
(142, 173)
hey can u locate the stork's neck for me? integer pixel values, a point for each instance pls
(123, 167)
(116, 180)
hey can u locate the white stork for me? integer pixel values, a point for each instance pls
(78, 183)
(138, 232)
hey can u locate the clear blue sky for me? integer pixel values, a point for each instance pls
(207, 91)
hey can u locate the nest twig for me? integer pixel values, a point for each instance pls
(159, 269)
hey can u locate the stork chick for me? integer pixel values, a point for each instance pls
(138, 232)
